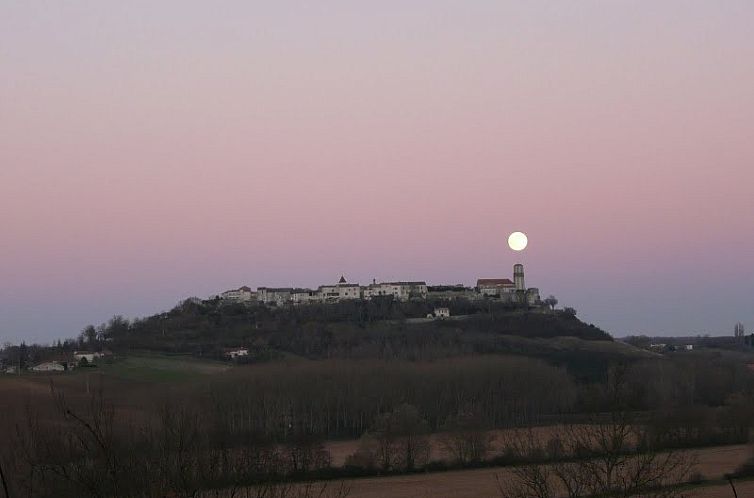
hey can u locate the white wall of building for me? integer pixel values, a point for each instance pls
(241, 295)
(49, 366)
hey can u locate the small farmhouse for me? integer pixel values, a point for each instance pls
(48, 366)
(243, 294)
(88, 355)
(442, 312)
(234, 353)
(495, 287)
(439, 313)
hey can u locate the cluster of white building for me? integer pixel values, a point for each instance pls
(503, 289)
(341, 291)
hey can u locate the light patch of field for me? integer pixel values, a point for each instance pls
(476, 483)
(162, 368)
(715, 462)
(572, 344)
(743, 488)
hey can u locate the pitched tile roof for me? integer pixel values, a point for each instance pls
(494, 282)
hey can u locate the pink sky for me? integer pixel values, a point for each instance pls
(153, 152)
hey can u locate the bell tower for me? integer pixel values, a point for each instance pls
(518, 277)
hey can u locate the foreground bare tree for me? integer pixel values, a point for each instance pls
(289, 490)
(465, 439)
(89, 452)
(3, 481)
(612, 457)
(601, 460)
(398, 442)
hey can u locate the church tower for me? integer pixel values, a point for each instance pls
(518, 277)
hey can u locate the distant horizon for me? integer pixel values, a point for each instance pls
(152, 149)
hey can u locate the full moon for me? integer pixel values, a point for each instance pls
(517, 241)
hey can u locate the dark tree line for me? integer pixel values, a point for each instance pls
(341, 399)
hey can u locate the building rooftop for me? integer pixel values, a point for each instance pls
(405, 283)
(504, 282)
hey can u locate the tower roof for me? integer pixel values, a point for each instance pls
(342, 280)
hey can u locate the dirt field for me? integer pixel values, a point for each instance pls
(713, 463)
(745, 489)
(340, 450)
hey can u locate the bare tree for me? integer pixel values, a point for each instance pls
(601, 461)
(89, 335)
(739, 331)
(398, 441)
(305, 453)
(604, 458)
(3, 481)
(301, 490)
(466, 440)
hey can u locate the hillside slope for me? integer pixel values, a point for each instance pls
(378, 329)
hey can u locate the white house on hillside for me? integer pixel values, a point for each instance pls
(241, 295)
(272, 295)
(90, 356)
(339, 291)
(48, 366)
(495, 287)
(402, 291)
(235, 353)
(440, 313)
(304, 296)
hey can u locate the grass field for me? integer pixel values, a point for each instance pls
(162, 368)
(135, 385)
(146, 367)
(538, 345)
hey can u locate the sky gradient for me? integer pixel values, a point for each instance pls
(152, 151)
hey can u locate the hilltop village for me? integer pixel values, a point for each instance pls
(504, 290)
(222, 336)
